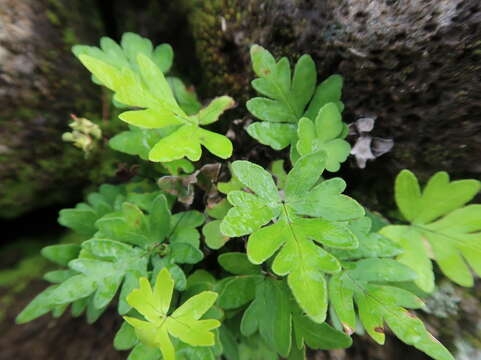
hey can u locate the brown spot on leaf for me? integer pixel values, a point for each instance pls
(411, 315)
(434, 339)
(347, 329)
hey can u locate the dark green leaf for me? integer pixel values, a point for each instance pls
(61, 254)
(238, 264)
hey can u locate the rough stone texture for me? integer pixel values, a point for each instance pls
(413, 64)
(65, 338)
(162, 22)
(41, 83)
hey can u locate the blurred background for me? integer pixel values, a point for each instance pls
(412, 65)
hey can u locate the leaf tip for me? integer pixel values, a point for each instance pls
(255, 48)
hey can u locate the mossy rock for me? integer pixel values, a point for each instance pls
(41, 83)
(414, 65)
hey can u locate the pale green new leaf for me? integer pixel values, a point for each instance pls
(139, 141)
(72, 289)
(125, 54)
(188, 352)
(381, 270)
(58, 276)
(214, 110)
(183, 323)
(441, 228)
(134, 72)
(305, 174)
(263, 243)
(325, 199)
(149, 90)
(438, 198)
(163, 56)
(218, 210)
(186, 97)
(415, 254)
(183, 142)
(217, 144)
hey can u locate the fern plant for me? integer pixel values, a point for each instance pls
(439, 220)
(290, 109)
(308, 213)
(299, 264)
(137, 80)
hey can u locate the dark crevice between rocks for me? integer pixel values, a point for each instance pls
(38, 224)
(162, 21)
(108, 18)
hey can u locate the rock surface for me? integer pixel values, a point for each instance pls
(415, 65)
(41, 83)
